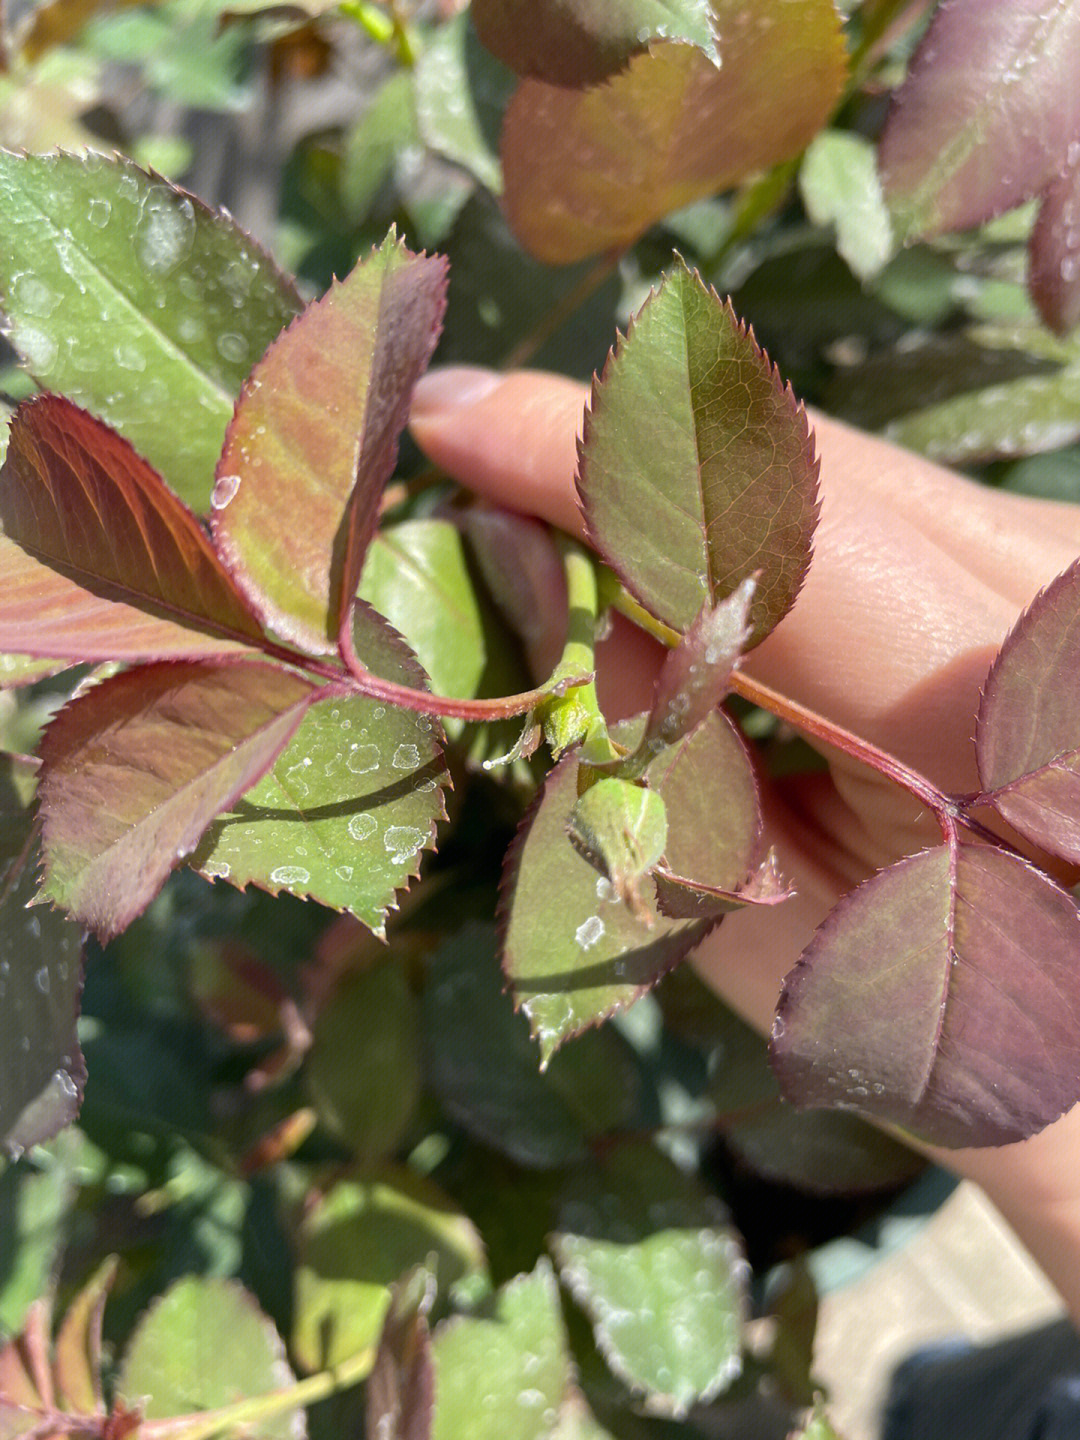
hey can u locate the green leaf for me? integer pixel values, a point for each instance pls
(578, 42)
(646, 1252)
(483, 1065)
(416, 574)
(364, 1234)
(588, 171)
(621, 829)
(133, 299)
(204, 1345)
(461, 93)
(316, 432)
(35, 1207)
(571, 951)
(349, 804)
(840, 186)
(371, 147)
(363, 1068)
(818, 1427)
(502, 1373)
(659, 482)
(135, 769)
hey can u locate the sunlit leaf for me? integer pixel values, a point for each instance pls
(661, 484)
(461, 92)
(401, 1387)
(100, 559)
(42, 1072)
(589, 171)
(840, 186)
(203, 1345)
(646, 1252)
(577, 42)
(1054, 272)
(621, 829)
(985, 115)
(942, 996)
(134, 770)
(135, 300)
(1028, 736)
(351, 802)
(361, 1237)
(501, 1372)
(316, 432)
(572, 952)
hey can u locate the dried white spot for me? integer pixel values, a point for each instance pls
(406, 757)
(290, 875)
(402, 842)
(362, 827)
(225, 489)
(589, 931)
(217, 870)
(363, 759)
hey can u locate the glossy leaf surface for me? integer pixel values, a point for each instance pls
(461, 92)
(100, 559)
(647, 1254)
(689, 498)
(1028, 736)
(136, 768)
(133, 299)
(985, 115)
(571, 950)
(1054, 271)
(401, 1387)
(578, 42)
(350, 803)
(42, 1073)
(589, 171)
(315, 434)
(203, 1345)
(941, 995)
(501, 1373)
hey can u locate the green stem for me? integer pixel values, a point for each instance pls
(387, 29)
(575, 716)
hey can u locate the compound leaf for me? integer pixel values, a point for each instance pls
(132, 298)
(135, 769)
(689, 498)
(101, 560)
(941, 995)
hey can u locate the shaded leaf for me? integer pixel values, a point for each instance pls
(1028, 736)
(621, 829)
(363, 1235)
(661, 483)
(363, 1069)
(316, 432)
(133, 299)
(682, 899)
(590, 171)
(134, 770)
(839, 184)
(501, 1373)
(646, 1252)
(1054, 269)
(373, 144)
(349, 805)
(578, 42)
(204, 1345)
(101, 560)
(942, 996)
(461, 92)
(401, 1387)
(36, 1206)
(483, 1065)
(77, 1362)
(521, 569)
(42, 1072)
(986, 112)
(572, 952)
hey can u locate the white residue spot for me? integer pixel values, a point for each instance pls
(402, 842)
(589, 932)
(344, 872)
(406, 757)
(130, 357)
(98, 212)
(604, 888)
(165, 233)
(362, 759)
(34, 297)
(37, 349)
(217, 870)
(290, 875)
(362, 827)
(225, 488)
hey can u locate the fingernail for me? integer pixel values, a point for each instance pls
(452, 387)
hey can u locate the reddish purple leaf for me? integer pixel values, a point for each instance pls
(134, 771)
(1028, 735)
(314, 440)
(983, 120)
(98, 558)
(1054, 248)
(942, 995)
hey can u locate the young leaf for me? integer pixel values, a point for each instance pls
(578, 42)
(985, 115)
(134, 770)
(133, 299)
(839, 184)
(659, 484)
(401, 1387)
(621, 829)
(1054, 248)
(571, 951)
(350, 803)
(646, 1253)
(101, 560)
(316, 433)
(941, 995)
(1028, 737)
(42, 1072)
(203, 1345)
(589, 171)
